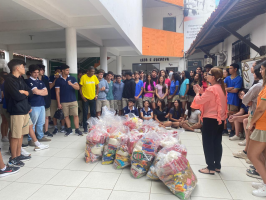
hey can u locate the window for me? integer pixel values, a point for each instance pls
(146, 67)
(169, 24)
(240, 51)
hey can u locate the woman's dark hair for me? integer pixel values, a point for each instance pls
(243, 90)
(164, 86)
(166, 74)
(200, 78)
(194, 72)
(176, 77)
(147, 83)
(186, 75)
(145, 102)
(189, 112)
(178, 110)
(163, 104)
(227, 70)
(257, 71)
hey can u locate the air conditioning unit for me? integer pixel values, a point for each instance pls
(221, 58)
(207, 60)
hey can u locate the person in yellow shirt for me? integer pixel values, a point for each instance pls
(88, 83)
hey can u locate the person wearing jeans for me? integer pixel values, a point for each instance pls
(88, 83)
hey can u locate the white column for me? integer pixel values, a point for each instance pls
(45, 63)
(103, 59)
(71, 50)
(118, 65)
(8, 56)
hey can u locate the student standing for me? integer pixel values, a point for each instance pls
(129, 89)
(89, 90)
(16, 94)
(184, 89)
(103, 90)
(167, 80)
(117, 92)
(37, 103)
(138, 91)
(149, 91)
(161, 90)
(195, 81)
(233, 84)
(65, 88)
(154, 76)
(110, 96)
(174, 89)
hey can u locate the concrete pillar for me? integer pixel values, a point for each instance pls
(8, 56)
(45, 63)
(103, 58)
(71, 50)
(118, 65)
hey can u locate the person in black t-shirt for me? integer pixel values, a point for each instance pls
(175, 114)
(161, 114)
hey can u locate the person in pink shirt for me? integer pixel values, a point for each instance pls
(149, 91)
(213, 107)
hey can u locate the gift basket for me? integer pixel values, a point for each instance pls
(175, 172)
(133, 122)
(143, 154)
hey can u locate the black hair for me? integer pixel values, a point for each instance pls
(164, 86)
(177, 110)
(136, 72)
(145, 102)
(64, 66)
(15, 62)
(101, 71)
(227, 70)
(189, 111)
(155, 70)
(57, 68)
(91, 68)
(244, 90)
(104, 75)
(110, 72)
(116, 76)
(176, 77)
(33, 68)
(186, 75)
(166, 74)
(235, 66)
(41, 67)
(147, 83)
(194, 72)
(208, 66)
(200, 77)
(257, 71)
(163, 104)
(132, 100)
(28, 73)
(140, 71)
(200, 68)
(128, 73)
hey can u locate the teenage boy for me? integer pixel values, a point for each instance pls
(47, 99)
(104, 88)
(129, 89)
(88, 83)
(16, 96)
(130, 108)
(138, 91)
(37, 103)
(65, 87)
(154, 76)
(110, 96)
(232, 85)
(199, 70)
(52, 80)
(118, 91)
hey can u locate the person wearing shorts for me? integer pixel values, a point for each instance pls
(117, 92)
(110, 96)
(161, 90)
(16, 95)
(138, 91)
(129, 89)
(103, 90)
(65, 88)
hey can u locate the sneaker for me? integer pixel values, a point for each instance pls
(225, 132)
(78, 132)
(31, 143)
(8, 171)
(253, 173)
(63, 130)
(248, 161)
(41, 147)
(256, 185)
(68, 132)
(48, 134)
(252, 167)
(240, 154)
(15, 162)
(44, 139)
(231, 134)
(24, 152)
(85, 132)
(5, 139)
(55, 131)
(24, 158)
(197, 130)
(243, 143)
(24, 146)
(261, 192)
(235, 137)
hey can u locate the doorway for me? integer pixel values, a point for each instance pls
(146, 67)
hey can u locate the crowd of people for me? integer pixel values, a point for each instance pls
(210, 100)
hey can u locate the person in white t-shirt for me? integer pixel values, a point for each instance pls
(191, 120)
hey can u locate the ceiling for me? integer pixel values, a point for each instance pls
(153, 3)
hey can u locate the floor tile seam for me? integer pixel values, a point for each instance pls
(133, 191)
(35, 191)
(227, 189)
(10, 182)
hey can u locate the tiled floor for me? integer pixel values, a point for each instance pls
(61, 173)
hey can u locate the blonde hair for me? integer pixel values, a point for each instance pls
(218, 75)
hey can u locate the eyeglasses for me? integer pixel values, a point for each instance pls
(210, 74)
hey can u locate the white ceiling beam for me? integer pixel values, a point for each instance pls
(80, 55)
(113, 51)
(29, 25)
(89, 22)
(3, 47)
(128, 53)
(115, 43)
(90, 36)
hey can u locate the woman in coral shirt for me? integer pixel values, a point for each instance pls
(213, 106)
(257, 144)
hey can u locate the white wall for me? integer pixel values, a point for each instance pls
(257, 30)
(153, 17)
(127, 62)
(128, 15)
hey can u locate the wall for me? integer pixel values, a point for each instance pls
(128, 61)
(128, 15)
(257, 30)
(153, 17)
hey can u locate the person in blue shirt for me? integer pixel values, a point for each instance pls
(117, 92)
(53, 106)
(233, 84)
(174, 89)
(138, 91)
(146, 112)
(103, 91)
(184, 90)
(131, 108)
(65, 88)
(37, 103)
